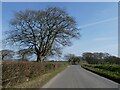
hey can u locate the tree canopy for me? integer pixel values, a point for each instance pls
(24, 54)
(44, 31)
(72, 59)
(99, 57)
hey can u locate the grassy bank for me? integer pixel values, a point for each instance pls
(39, 81)
(106, 70)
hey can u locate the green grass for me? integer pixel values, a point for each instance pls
(109, 67)
(109, 71)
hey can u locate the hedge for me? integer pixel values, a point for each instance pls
(15, 72)
(115, 76)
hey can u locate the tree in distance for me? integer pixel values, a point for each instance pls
(100, 58)
(7, 54)
(43, 31)
(72, 59)
(23, 54)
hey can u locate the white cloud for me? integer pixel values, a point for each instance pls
(99, 22)
(104, 38)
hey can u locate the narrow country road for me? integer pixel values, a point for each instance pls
(76, 77)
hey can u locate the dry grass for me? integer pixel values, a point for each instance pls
(36, 83)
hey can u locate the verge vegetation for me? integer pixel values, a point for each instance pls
(111, 71)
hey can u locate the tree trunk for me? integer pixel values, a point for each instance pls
(2, 57)
(38, 58)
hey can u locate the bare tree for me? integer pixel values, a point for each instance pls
(7, 54)
(24, 54)
(71, 58)
(44, 31)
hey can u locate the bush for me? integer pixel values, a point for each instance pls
(109, 71)
(109, 67)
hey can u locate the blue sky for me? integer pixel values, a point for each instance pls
(0, 25)
(98, 23)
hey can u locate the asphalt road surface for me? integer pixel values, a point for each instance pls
(76, 77)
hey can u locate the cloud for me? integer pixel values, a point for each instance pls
(99, 22)
(104, 38)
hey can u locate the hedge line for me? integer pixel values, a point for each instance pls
(15, 72)
(108, 67)
(115, 76)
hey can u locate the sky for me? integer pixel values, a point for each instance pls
(98, 22)
(60, 0)
(0, 25)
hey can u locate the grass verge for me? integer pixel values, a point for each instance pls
(115, 76)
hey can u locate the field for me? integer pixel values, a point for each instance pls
(111, 71)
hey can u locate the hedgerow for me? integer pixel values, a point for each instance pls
(15, 72)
